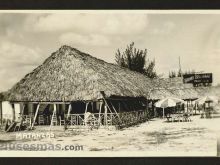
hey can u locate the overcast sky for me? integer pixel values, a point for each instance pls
(26, 40)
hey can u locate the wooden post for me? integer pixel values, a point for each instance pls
(163, 113)
(153, 108)
(119, 106)
(113, 107)
(69, 109)
(106, 121)
(195, 108)
(22, 112)
(13, 112)
(54, 111)
(106, 104)
(35, 116)
(100, 109)
(87, 104)
(85, 119)
(92, 104)
(22, 109)
(147, 108)
(115, 112)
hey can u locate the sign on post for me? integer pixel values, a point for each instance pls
(198, 79)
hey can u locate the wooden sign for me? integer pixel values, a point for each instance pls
(197, 78)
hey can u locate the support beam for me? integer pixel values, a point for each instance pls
(35, 116)
(147, 106)
(106, 103)
(22, 109)
(22, 112)
(187, 106)
(105, 117)
(87, 104)
(163, 113)
(119, 107)
(100, 111)
(54, 112)
(113, 107)
(107, 106)
(13, 112)
(195, 108)
(85, 116)
(92, 104)
(69, 109)
(116, 112)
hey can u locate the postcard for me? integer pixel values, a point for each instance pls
(131, 83)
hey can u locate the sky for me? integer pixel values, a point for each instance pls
(27, 39)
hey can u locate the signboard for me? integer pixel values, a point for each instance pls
(188, 78)
(203, 78)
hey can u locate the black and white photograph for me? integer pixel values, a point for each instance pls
(109, 83)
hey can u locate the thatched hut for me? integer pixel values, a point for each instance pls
(172, 87)
(72, 82)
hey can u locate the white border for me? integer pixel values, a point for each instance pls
(107, 153)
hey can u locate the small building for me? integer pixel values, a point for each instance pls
(70, 84)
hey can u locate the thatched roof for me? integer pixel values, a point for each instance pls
(185, 93)
(172, 87)
(69, 75)
(208, 91)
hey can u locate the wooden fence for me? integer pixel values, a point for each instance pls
(119, 120)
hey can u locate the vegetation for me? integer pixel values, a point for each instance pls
(135, 60)
(189, 72)
(173, 74)
(62, 77)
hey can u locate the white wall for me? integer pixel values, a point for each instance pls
(7, 110)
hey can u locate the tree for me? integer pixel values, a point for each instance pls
(149, 71)
(135, 60)
(189, 72)
(172, 74)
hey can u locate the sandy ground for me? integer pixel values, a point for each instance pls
(199, 135)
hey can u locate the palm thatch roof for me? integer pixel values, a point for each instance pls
(208, 91)
(184, 93)
(172, 87)
(71, 75)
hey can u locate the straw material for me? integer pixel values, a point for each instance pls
(172, 87)
(71, 75)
